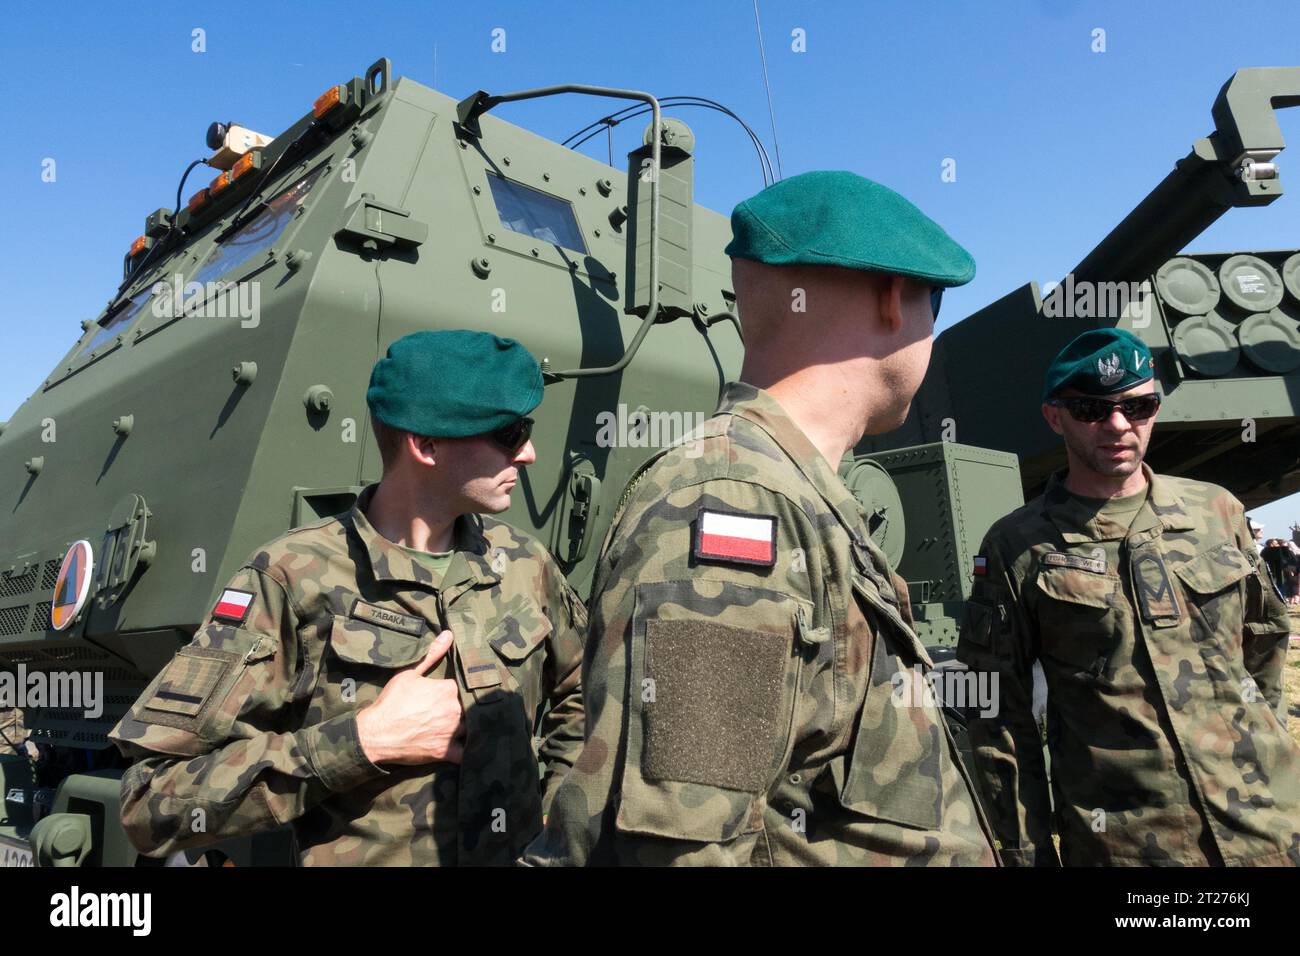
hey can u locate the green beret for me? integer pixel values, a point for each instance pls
(1100, 362)
(453, 384)
(837, 218)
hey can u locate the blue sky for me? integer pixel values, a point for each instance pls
(1053, 142)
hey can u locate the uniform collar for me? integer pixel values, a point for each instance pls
(1164, 510)
(759, 407)
(472, 561)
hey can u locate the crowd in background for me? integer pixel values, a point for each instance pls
(1283, 559)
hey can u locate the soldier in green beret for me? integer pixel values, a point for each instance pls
(1159, 635)
(748, 674)
(375, 679)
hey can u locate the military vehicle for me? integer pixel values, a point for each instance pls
(219, 398)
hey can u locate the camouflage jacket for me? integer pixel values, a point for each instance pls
(743, 710)
(1162, 648)
(253, 725)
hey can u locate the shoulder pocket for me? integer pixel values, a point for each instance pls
(193, 693)
(977, 624)
(709, 709)
(190, 684)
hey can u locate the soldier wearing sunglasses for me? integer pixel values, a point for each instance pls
(1161, 640)
(376, 679)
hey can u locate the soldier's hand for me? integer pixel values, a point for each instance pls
(416, 719)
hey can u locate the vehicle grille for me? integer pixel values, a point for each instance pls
(11, 585)
(13, 619)
(41, 617)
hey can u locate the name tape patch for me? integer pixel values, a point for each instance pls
(233, 605)
(374, 614)
(738, 538)
(1058, 559)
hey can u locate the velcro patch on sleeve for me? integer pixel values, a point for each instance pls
(716, 704)
(735, 538)
(981, 568)
(194, 680)
(232, 607)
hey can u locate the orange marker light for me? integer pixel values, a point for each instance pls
(327, 101)
(139, 246)
(197, 200)
(242, 165)
(220, 183)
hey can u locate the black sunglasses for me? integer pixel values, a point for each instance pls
(514, 436)
(1136, 409)
(936, 297)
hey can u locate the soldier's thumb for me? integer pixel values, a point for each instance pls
(441, 644)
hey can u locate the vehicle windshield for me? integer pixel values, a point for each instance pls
(259, 233)
(252, 238)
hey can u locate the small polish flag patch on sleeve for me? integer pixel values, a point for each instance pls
(233, 605)
(743, 539)
(981, 566)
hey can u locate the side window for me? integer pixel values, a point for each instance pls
(535, 213)
(253, 238)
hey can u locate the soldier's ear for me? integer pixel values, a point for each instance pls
(1052, 415)
(889, 301)
(422, 448)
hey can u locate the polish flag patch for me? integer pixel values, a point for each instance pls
(981, 566)
(233, 605)
(744, 539)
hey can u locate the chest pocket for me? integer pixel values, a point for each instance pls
(1077, 616)
(358, 642)
(899, 761)
(361, 659)
(1213, 577)
(507, 658)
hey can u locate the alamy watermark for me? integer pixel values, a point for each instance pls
(208, 300)
(132, 911)
(1099, 300)
(79, 690)
(643, 428)
(965, 690)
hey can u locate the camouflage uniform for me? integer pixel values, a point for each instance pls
(255, 725)
(1163, 651)
(744, 714)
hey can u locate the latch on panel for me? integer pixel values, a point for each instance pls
(378, 225)
(125, 549)
(584, 492)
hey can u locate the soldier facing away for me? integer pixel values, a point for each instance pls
(747, 636)
(374, 679)
(1160, 636)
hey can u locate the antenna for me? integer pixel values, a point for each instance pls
(768, 86)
